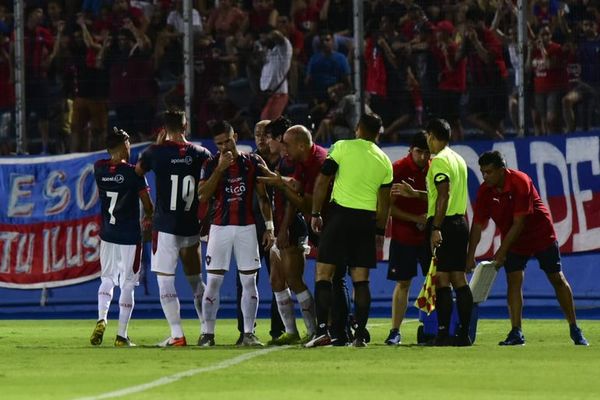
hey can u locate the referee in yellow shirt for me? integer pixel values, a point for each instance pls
(447, 229)
(356, 220)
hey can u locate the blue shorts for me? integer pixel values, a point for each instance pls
(403, 261)
(549, 260)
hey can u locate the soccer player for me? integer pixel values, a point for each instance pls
(510, 199)
(287, 255)
(358, 214)
(176, 232)
(120, 191)
(229, 178)
(447, 230)
(409, 216)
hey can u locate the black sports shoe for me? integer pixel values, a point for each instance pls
(206, 340)
(514, 338)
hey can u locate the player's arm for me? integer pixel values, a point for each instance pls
(148, 212)
(513, 233)
(267, 212)
(474, 238)
(406, 190)
(441, 206)
(383, 208)
(207, 188)
(402, 215)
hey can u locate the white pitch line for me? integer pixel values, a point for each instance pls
(180, 375)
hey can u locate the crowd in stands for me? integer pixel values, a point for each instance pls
(92, 64)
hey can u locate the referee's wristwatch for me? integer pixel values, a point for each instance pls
(316, 214)
(436, 228)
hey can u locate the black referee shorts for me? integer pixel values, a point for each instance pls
(452, 253)
(348, 238)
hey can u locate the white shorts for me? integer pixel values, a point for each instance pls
(241, 239)
(165, 250)
(120, 262)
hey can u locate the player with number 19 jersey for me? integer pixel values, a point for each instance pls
(177, 169)
(119, 187)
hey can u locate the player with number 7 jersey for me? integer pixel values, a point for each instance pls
(176, 164)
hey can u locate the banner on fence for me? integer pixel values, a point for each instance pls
(49, 206)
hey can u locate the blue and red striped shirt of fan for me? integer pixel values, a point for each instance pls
(177, 169)
(118, 188)
(232, 201)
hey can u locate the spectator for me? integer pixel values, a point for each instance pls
(587, 89)
(262, 15)
(453, 77)
(273, 77)
(175, 19)
(326, 68)
(226, 20)
(123, 11)
(7, 100)
(5, 20)
(89, 91)
(550, 81)
(55, 15)
(39, 45)
(217, 107)
(296, 38)
(487, 72)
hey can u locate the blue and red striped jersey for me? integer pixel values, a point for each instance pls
(177, 169)
(233, 198)
(118, 188)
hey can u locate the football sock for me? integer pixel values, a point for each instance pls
(198, 287)
(307, 305)
(362, 305)
(211, 302)
(126, 303)
(340, 303)
(443, 306)
(170, 303)
(323, 294)
(464, 304)
(249, 301)
(286, 310)
(105, 294)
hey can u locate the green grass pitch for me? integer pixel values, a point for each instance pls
(52, 359)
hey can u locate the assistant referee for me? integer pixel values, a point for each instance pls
(356, 220)
(447, 229)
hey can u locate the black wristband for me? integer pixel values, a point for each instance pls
(380, 231)
(316, 215)
(435, 228)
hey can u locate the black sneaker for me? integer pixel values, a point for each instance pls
(577, 336)
(206, 340)
(394, 338)
(514, 338)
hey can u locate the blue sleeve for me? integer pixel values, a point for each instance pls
(344, 65)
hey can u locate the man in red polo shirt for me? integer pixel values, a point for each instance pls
(509, 198)
(409, 216)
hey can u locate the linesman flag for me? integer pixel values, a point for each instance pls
(426, 299)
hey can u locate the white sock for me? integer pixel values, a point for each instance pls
(170, 303)
(126, 303)
(198, 287)
(285, 305)
(105, 294)
(249, 301)
(211, 301)
(307, 305)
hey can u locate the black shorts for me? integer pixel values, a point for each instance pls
(298, 231)
(37, 98)
(403, 261)
(348, 238)
(549, 260)
(452, 253)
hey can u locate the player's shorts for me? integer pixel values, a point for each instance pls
(452, 253)
(403, 261)
(298, 232)
(165, 250)
(120, 262)
(242, 240)
(549, 260)
(348, 238)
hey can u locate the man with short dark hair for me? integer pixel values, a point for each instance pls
(229, 180)
(358, 214)
(510, 199)
(409, 216)
(120, 191)
(446, 230)
(176, 232)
